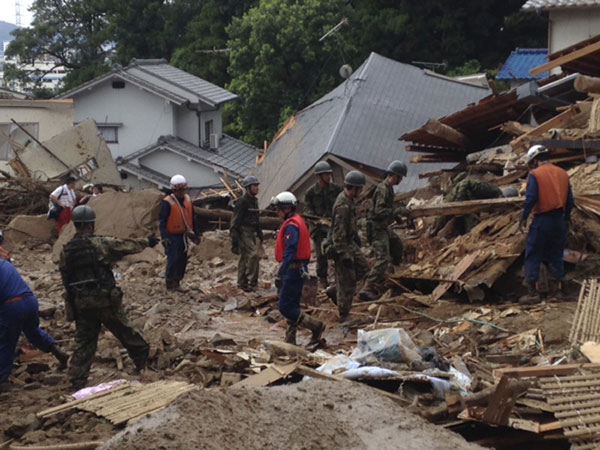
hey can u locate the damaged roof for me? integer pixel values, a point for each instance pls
(360, 121)
(233, 156)
(532, 5)
(164, 80)
(520, 62)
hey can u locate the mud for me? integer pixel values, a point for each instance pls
(308, 415)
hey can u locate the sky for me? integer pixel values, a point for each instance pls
(7, 11)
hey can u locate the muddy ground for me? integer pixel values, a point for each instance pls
(213, 315)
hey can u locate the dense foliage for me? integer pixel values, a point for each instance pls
(268, 51)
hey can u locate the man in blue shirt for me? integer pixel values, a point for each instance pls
(19, 312)
(292, 251)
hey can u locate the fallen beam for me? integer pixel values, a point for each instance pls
(467, 207)
(445, 132)
(556, 122)
(542, 371)
(224, 216)
(586, 84)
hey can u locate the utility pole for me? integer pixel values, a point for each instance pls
(17, 13)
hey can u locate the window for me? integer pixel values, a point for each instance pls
(208, 130)
(110, 134)
(118, 84)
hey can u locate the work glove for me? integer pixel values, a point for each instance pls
(196, 239)
(152, 241)
(348, 263)
(166, 244)
(278, 283)
(523, 225)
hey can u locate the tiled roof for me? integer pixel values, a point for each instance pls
(532, 5)
(233, 156)
(361, 121)
(520, 62)
(156, 75)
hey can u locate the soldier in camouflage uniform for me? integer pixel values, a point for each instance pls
(386, 244)
(319, 202)
(246, 235)
(343, 243)
(92, 296)
(466, 188)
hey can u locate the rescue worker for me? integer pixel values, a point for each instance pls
(550, 198)
(465, 188)
(292, 251)
(177, 224)
(97, 190)
(92, 297)
(343, 244)
(64, 198)
(4, 254)
(383, 239)
(19, 311)
(318, 201)
(246, 235)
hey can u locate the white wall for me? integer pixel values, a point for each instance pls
(168, 163)
(216, 117)
(53, 116)
(187, 125)
(144, 115)
(569, 26)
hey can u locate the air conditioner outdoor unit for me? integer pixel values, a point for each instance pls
(214, 141)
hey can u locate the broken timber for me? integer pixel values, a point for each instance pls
(466, 207)
(440, 130)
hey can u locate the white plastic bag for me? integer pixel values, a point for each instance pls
(387, 345)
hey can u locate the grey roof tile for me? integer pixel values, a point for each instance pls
(361, 120)
(532, 5)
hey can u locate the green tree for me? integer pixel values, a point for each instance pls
(73, 32)
(278, 64)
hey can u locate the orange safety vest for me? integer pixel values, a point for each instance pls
(180, 223)
(553, 188)
(303, 252)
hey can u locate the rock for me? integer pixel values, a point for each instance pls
(22, 425)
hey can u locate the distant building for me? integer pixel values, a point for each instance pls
(570, 21)
(158, 121)
(516, 68)
(44, 74)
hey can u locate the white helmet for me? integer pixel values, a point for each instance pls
(284, 199)
(178, 182)
(535, 151)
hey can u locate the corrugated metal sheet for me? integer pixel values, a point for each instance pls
(187, 81)
(361, 121)
(520, 62)
(233, 156)
(532, 5)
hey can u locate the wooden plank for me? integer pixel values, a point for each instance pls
(434, 127)
(459, 269)
(466, 207)
(556, 122)
(503, 399)
(268, 376)
(566, 58)
(542, 371)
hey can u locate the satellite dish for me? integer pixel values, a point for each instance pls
(345, 71)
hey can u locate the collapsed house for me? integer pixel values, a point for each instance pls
(356, 125)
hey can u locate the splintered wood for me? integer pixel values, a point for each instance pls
(586, 323)
(127, 403)
(575, 401)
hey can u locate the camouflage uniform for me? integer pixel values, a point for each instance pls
(245, 229)
(93, 298)
(350, 264)
(386, 244)
(469, 188)
(319, 202)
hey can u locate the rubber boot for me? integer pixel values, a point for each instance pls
(331, 292)
(532, 297)
(368, 293)
(290, 333)
(171, 284)
(315, 326)
(140, 365)
(62, 357)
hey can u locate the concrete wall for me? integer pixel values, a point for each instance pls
(197, 175)
(143, 115)
(52, 116)
(569, 26)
